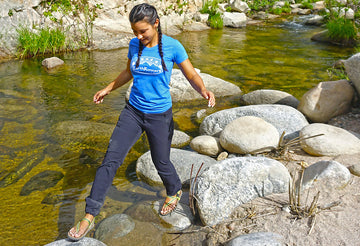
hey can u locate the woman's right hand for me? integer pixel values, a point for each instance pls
(99, 96)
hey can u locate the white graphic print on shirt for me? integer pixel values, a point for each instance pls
(148, 65)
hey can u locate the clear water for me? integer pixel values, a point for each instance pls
(32, 101)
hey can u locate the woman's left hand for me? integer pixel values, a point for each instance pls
(210, 97)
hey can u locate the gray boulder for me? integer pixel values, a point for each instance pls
(241, 180)
(114, 227)
(180, 219)
(86, 241)
(284, 118)
(258, 239)
(352, 67)
(249, 134)
(327, 100)
(269, 97)
(335, 141)
(234, 19)
(238, 5)
(332, 174)
(182, 160)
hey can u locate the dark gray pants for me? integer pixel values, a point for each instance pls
(132, 123)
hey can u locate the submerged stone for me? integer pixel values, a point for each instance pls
(41, 181)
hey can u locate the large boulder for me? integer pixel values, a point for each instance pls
(327, 100)
(284, 118)
(239, 6)
(258, 239)
(182, 160)
(249, 134)
(269, 97)
(334, 141)
(352, 67)
(234, 19)
(86, 241)
(236, 181)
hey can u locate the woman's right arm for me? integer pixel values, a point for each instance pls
(124, 77)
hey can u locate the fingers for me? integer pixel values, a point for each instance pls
(211, 99)
(99, 96)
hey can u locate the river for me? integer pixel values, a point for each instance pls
(33, 101)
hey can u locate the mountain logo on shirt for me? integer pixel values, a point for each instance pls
(148, 65)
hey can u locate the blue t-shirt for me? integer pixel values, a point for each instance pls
(150, 92)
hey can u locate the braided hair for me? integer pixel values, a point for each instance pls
(148, 13)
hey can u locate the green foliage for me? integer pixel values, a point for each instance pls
(307, 4)
(337, 73)
(260, 5)
(341, 29)
(32, 43)
(10, 13)
(285, 9)
(211, 8)
(216, 21)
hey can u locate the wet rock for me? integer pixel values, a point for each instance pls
(91, 156)
(143, 211)
(249, 134)
(23, 168)
(246, 178)
(269, 97)
(334, 141)
(86, 241)
(52, 62)
(41, 181)
(329, 173)
(179, 219)
(182, 160)
(53, 198)
(283, 117)
(114, 227)
(258, 239)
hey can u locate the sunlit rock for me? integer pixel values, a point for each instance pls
(269, 97)
(206, 145)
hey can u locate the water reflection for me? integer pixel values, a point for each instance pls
(33, 102)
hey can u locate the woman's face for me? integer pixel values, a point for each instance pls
(146, 32)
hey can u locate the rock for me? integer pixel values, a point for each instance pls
(238, 5)
(355, 169)
(53, 198)
(335, 141)
(327, 100)
(91, 156)
(233, 19)
(206, 145)
(269, 97)
(23, 168)
(352, 70)
(91, 133)
(52, 62)
(316, 20)
(143, 211)
(180, 219)
(258, 239)
(222, 156)
(41, 181)
(304, 12)
(284, 118)
(180, 139)
(323, 37)
(249, 134)
(201, 17)
(331, 174)
(319, 5)
(261, 15)
(242, 179)
(114, 227)
(195, 27)
(182, 91)
(182, 160)
(86, 241)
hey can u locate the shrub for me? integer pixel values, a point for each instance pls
(211, 8)
(341, 29)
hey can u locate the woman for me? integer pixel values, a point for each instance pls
(151, 57)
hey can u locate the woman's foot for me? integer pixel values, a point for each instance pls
(82, 228)
(170, 203)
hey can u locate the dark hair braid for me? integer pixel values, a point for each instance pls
(148, 13)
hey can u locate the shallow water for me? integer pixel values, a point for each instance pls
(33, 101)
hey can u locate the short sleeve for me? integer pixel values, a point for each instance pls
(180, 52)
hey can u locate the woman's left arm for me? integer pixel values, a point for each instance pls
(196, 82)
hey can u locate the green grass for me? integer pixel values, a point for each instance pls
(341, 29)
(211, 8)
(36, 42)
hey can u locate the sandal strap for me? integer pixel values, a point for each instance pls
(87, 220)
